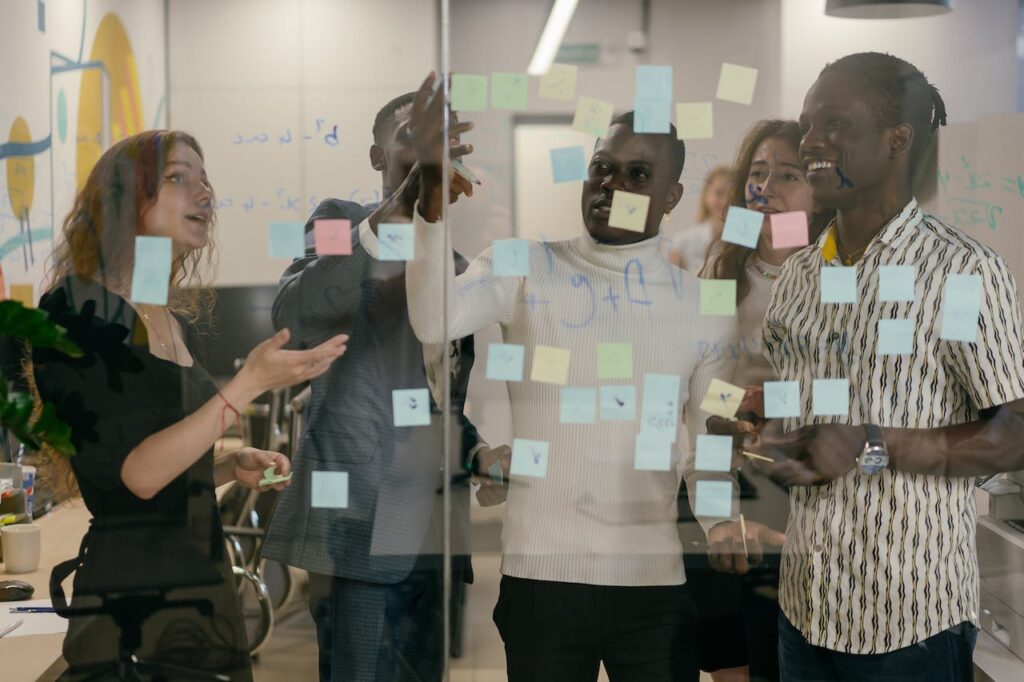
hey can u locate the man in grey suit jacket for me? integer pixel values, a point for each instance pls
(375, 562)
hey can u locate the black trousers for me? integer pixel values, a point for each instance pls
(562, 632)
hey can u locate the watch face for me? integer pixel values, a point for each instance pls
(874, 460)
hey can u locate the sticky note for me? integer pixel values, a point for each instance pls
(577, 405)
(629, 211)
(618, 403)
(469, 92)
(736, 83)
(789, 230)
(395, 241)
(511, 257)
(329, 490)
(652, 453)
(550, 365)
(151, 275)
(742, 226)
(653, 82)
(271, 477)
(830, 397)
(505, 362)
(694, 121)
(411, 406)
(895, 337)
(722, 399)
(718, 297)
(529, 458)
(614, 361)
(838, 284)
(568, 164)
(896, 282)
(781, 399)
(24, 295)
(659, 413)
(714, 498)
(593, 116)
(652, 115)
(559, 82)
(508, 91)
(961, 305)
(714, 453)
(333, 237)
(287, 240)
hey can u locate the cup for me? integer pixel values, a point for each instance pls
(22, 544)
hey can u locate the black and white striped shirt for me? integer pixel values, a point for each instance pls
(876, 563)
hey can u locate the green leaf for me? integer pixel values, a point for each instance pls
(52, 431)
(35, 326)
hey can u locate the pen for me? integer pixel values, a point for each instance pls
(751, 455)
(11, 628)
(743, 529)
(33, 609)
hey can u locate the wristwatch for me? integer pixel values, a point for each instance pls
(875, 456)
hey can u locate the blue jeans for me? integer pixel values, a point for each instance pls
(945, 656)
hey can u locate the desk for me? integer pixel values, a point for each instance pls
(26, 659)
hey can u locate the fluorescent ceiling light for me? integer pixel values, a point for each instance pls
(551, 38)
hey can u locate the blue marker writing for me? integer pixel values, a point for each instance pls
(843, 180)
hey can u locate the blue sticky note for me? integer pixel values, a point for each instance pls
(654, 82)
(577, 406)
(652, 453)
(961, 305)
(618, 403)
(569, 164)
(529, 458)
(895, 337)
(41, 18)
(714, 498)
(781, 399)
(395, 241)
(659, 413)
(830, 397)
(652, 115)
(505, 362)
(742, 226)
(838, 284)
(411, 406)
(287, 240)
(151, 275)
(714, 453)
(896, 282)
(511, 258)
(329, 490)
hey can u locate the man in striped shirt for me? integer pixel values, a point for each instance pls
(892, 320)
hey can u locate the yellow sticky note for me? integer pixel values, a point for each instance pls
(736, 83)
(559, 82)
(722, 399)
(24, 294)
(550, 365)
(614, 361)
(718, 297)
(593, 116)
(693, 121)
(629, 211)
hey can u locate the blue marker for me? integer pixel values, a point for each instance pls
(843, 180)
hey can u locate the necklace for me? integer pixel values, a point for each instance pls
(847, 257)
(159, 340)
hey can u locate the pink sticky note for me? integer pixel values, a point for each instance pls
(333, 237)
(789, 229)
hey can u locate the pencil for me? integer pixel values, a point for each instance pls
(743, 529)
(751, 455)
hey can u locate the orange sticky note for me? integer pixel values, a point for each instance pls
(23, 293)
(333, 237)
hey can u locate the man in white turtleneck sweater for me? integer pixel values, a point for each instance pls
(592, 564)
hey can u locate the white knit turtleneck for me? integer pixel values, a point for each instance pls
(593, 518)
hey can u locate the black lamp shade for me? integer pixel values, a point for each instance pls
(886, 9)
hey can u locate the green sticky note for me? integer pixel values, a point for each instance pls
(505, 362)
(694, 121)
(329, 490)
(559, 83)
(271, 478)
(714, 453)
(781, 399)
(529, 458)
(896, 282)
(736, 83)
(629, 211)
(652, 453)
(577, 405)
(151, 274)
(614, 361)
(618, 403)
(830, 397)
(508, 91)
(961, 306)
(469, 92)
(895, 337)
(593, 116)
(838, 284)
(411, 406)
(714, 498)
(718, 297)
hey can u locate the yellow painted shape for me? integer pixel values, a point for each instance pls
(21, 172)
